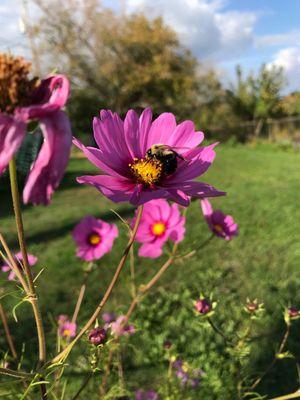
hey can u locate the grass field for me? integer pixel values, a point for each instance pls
(263, 187)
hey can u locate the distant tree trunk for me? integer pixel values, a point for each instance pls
(258, 127)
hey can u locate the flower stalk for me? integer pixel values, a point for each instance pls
(31, 292)
(7, 333)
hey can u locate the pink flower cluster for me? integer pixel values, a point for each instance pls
(117, 325)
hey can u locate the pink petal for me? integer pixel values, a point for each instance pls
(179, 197)
(200, 189)
(161, 130)
(116, 189)
(199, 160)
(50, 96)
(12, 133)
(150, 251)
(110, 138)
(141, 196)
(184, 136)
(49, 167)
(206, 208)
(144, 128)
(132, 137)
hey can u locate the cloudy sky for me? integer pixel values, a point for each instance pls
(219, 32)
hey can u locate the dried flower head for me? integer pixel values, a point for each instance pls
(16, 88)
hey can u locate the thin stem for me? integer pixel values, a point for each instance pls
(84, 384)
(218, 331)
(16, 374)
(295, 395)
(13, 265)
(273, 362)
(200, 247)
(62, 355)
(31, 292)
(7, 333)
(132, 271)
(80, 297)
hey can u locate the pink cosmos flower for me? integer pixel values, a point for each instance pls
(18, 256)
(94, 238)
(119, 327)
(66, 329)
(159, 222)
(43, 102)
(220, 224)
(131, 174)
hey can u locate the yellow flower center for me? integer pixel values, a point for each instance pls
(94, 239)
(218, 228)
(158, 228)
(147, 171)
(66, 332)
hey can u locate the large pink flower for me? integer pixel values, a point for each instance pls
(131, 175)
(220, 224)
(43, 103)
(94, 238)
(159, 222)
(18, 256)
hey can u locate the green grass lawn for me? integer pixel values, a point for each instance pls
(263, 189)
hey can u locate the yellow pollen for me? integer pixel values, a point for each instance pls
(147, 171)
(94, 239)
(158, 228)
(66, 332)
(218, 228)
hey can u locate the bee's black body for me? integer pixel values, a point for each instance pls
(166, 156)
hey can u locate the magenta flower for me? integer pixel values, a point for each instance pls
(18, 256)
(120, 327)
(131, 174)
(220, 224)
(94, 238)
(97, 336)
(66, 329)
(25, 100)
(159, 222)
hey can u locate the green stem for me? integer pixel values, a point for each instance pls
(20, 229)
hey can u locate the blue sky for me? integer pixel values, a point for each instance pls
(221, 33)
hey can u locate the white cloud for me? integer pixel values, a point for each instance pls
(204, 26)
(289, 60)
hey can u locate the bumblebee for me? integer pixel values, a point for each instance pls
(166, 155)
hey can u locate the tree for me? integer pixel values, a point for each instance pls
(115, 61)
(257, 97)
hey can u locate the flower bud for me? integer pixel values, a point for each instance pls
(97, 336)
(293, 312)
(203, 306)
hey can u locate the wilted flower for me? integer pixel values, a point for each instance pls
(97, 336)
(137, 174)
(203, 306)
(167, 344)
(146, 395)
(94, 238)
(159, 222)
(220, 224)
(23, 100)
(19, 258)
(120, 327)
(66, 329)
